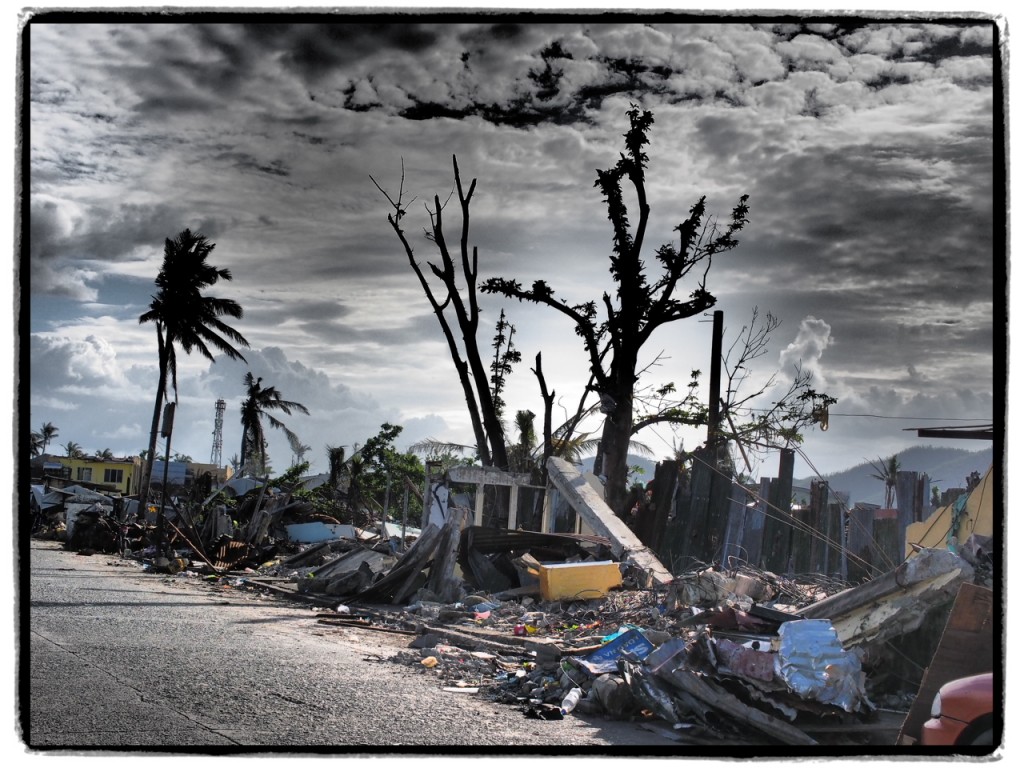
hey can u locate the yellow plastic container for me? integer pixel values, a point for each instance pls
(578, 581)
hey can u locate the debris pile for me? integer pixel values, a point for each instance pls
(711, 670)
(562, 624)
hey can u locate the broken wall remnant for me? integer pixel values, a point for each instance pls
(952, 525)
(489, 476)
(965, 648)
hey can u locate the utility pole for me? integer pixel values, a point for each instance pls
(715, 395)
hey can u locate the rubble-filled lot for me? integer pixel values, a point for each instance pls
(554, 625)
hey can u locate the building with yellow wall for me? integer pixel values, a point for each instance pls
(970, 514)
(121, 475)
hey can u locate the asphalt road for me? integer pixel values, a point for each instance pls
(124, 659)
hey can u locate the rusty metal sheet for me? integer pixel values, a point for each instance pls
(745, 662)
(229, 554)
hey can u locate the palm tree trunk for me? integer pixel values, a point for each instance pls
(147, 475)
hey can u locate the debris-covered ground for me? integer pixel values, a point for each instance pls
(744, 655)
(555, 625)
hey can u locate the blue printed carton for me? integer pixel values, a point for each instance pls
(630, 644)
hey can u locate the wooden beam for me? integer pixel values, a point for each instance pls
(697, 686)
(896, 602)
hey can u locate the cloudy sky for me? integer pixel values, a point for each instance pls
(867, 147)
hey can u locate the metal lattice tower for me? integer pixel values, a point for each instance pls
(218, 430)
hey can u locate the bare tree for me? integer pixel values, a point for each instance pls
(461, 301)
(640, 306)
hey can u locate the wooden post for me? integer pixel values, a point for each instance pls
(478, 505)
(889, 549)
(859, 543)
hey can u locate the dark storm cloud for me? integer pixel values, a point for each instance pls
(867, 151)
(64, 241)
(317, 50)
(866, 236)
(333, 323)
(246, 162)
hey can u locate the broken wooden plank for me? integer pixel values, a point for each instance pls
(292, 593)
(365, 625)
(965, 648)
(406, 571)
(697, 686)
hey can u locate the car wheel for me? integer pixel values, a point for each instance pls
(983, 739)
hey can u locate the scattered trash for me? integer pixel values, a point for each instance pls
(572, 698)
(560, 624)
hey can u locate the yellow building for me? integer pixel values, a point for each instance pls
(965, 516)
(220, 475)
(122, 475)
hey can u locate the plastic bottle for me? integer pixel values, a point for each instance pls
(572, 698)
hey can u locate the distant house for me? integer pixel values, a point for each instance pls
(220, 475)
(182, 474)
(121, 475)
(41, 467)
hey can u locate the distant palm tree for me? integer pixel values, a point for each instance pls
(73, 450)
(886, 470)
(35, 444)
(521, 454)
(335, 461)
(106, 455)
(47, 432)
(259, 400)
(185, 317)
(298, 449)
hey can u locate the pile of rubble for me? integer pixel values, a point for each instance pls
(558, 623)
(747, 656)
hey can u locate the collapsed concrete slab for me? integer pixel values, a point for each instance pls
(588, 504)
(896, 603)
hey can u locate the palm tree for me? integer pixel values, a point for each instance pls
(187, 318)
(335, 462)
(47, 432)
(299, 450)
(106, 454)
(886, 470)
(258, 401)
(521, 456)
(73, 450)
(35, 444)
